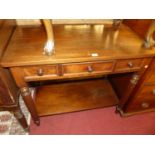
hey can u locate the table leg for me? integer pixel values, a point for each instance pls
(26, 94)
(18, 75)
(21, 119)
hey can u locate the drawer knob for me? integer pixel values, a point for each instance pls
(153, 91)
(145, 105)
(130, 64)
(90, 69)
(40, 72)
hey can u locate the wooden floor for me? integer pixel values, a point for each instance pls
(74, 96)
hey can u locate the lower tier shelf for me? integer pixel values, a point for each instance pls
(74, 96)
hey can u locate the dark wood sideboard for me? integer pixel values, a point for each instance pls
(93, 66)
(9, 92)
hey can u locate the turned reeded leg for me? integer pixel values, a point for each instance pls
(26, 94)
(117, 23)
(21, 119)
(18, 75)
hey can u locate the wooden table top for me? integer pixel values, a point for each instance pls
(73, 43)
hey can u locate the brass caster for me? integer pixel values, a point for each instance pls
(26, 129)
(37, 123)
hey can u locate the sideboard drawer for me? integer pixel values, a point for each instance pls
(147, 92)
(141, 104)
(150, 77)
(144, 100)
(128, 65)
(88, 68)
(34, 72)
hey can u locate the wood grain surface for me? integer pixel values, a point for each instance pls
(73, 44)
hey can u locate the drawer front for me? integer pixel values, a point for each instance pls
(87, 68)
(141, 104)
(144, 100)
(128, 65)
(150, 78)
(147, 92)
(40, 72)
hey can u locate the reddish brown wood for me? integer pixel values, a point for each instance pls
(9, 96)
(25, 92)
(74, 96)
(6, 30)
(21, 118)
(34, 72)
(128, 65)
(73, 44)
(9, 93)
(150, 75)
(134, 103)
(120, 82)
(80, 52)
(75, 69)
(145, 29)
(139, 26)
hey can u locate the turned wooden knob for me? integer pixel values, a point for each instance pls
(145, 105)
(40, 72)
(90, 69)
(130, 64)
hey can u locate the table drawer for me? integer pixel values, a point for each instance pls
(35, 72)
(128, 65)
(88, 68)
